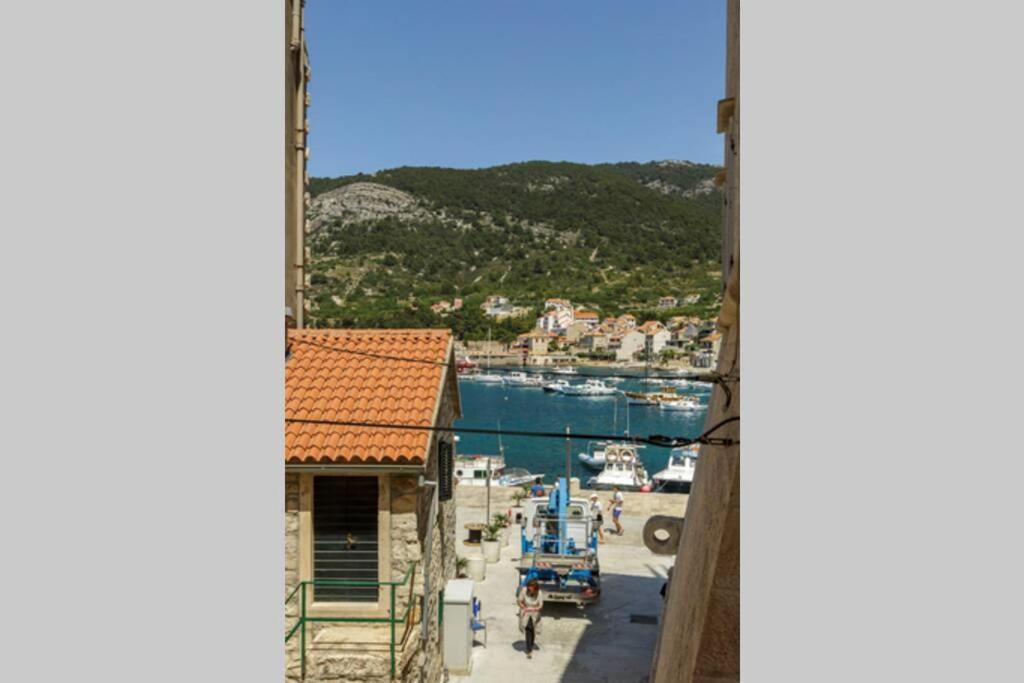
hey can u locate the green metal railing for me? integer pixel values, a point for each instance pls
(300, 625)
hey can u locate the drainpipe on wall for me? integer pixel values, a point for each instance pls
(428, 546)
(296, 23)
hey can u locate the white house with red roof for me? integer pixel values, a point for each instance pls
(555, 320)
(590, 318)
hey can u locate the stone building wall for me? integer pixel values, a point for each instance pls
(699, 639)
(291, 572)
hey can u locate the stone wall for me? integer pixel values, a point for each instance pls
(699, 640)
(291, 572)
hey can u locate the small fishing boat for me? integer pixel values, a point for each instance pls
(556, 386)
(685, 403)
(678, 474)
(565, 370)
(622, 468)
(592, 387)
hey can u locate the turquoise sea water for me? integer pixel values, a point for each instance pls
(496, 406)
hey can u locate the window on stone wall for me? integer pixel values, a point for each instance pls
(345, 537)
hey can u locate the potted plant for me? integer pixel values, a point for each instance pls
(501, 519)
(461, 564)
(492, 543)
(517, 510)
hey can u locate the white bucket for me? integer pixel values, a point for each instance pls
(476, 567)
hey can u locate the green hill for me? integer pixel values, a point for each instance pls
(613, 236)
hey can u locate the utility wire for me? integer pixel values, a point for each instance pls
(653, 440)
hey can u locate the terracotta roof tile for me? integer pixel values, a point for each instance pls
(326, 384)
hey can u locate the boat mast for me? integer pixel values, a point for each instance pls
(627, 416)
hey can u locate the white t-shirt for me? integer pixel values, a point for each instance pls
(617, 500)
(596, 508)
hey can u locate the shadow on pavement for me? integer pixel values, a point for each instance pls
(612, 647)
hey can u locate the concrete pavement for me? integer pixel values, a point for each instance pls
(604, 643)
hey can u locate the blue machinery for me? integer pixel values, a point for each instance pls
(566, 571)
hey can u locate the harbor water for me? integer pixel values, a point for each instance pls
(510, 407)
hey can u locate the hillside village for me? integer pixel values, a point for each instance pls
(568, 332)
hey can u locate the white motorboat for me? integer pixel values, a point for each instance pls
(471, 470)
(489, 377)
(592, 387)
(523, 379)
(565, 370)
(517, 476)
(678, 475)
(683, 403)
(593, 458)
(556, 386)
(622, 468)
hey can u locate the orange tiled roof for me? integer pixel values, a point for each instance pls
(323, 384)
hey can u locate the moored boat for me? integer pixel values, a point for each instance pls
(678, 474)
(523, 379)
(593, 458)
(622, 469)
(518, 476)
(592, 387)
(556, 386)
(683, 403)
(471, 470)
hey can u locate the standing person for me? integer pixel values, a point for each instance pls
(530, 603)
(537, 490)
(596, 512)
(616, 503)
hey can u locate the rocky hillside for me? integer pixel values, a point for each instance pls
(616, 236)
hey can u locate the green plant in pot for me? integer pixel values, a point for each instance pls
(461, 565)
(501, 520)
(492, 543)
(519, 495)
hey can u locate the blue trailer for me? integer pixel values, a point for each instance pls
(559, 548)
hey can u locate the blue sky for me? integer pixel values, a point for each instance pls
(474, 83)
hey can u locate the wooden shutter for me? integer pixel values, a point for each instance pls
(445, 467)
(345, 538)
